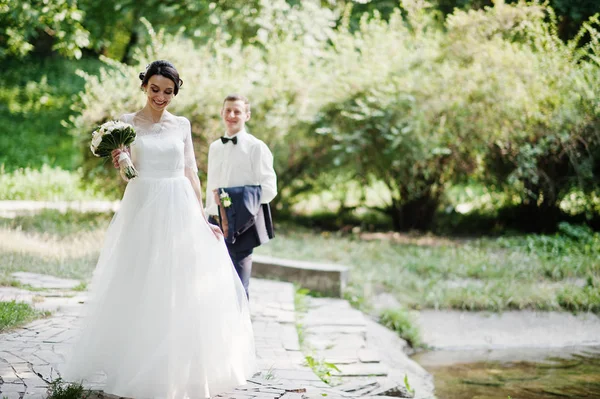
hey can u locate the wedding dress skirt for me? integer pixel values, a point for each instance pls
(167, 315)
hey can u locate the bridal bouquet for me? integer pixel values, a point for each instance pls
(110, 136)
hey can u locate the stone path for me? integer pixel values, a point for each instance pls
(370, 359)
(332, 332)
(29, 356)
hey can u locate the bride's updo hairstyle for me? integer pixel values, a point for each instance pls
(163, 68)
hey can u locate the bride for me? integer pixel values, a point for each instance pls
(167, 315)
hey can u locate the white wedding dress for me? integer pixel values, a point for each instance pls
(167, 315)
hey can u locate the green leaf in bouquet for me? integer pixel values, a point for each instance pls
(116, 139)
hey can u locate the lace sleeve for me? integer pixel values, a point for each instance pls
(188, 149)
(127, 118)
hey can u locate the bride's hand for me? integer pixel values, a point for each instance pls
(115, 156)
(216, 230)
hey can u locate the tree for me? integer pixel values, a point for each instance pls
(41, 26)
(571, 13)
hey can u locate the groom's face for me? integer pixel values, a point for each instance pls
(234, 116)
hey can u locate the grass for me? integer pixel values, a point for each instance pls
(403, 323)
(63, 245)
(321, 368)
(59, 389)
(47, 184)
(14, 314)
(301, 307)
(558, 272)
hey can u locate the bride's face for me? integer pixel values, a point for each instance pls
(159, 91)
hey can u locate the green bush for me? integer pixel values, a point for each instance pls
(569, 240)
(35, 97)
(492, 96)
(541, 125)
(418, 104)
(278, 75)
(48, 184)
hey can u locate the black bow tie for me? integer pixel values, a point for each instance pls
(224, 139)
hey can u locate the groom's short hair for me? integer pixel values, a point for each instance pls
(238, 97)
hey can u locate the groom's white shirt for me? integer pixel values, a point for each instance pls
(249, 162)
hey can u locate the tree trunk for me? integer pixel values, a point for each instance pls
(534, 218)
(416, 214)
(133, 40)
(134, 37)
(539, 211)
(42, 45)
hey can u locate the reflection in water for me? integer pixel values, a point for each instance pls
(526, 374)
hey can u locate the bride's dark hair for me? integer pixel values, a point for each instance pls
(163, 68)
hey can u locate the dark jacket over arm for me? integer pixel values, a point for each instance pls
(250, 222)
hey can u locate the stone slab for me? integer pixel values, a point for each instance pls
(326, 279)
(366, 355)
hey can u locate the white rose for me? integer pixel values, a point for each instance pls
(93, 149)
(96, 140)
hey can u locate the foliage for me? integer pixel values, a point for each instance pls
(570, 240)
(13, 314)
(489, 97)
(300, 300)
(407, 385)
(571, 14)
(35, 97)
(47, 184)
(321, 368)
(496, 94)
(116, 28)
(541, 124)
(59, 389)
(112, 27)
(403, 323)
(56, 24)
(288, 81)
(275, 80)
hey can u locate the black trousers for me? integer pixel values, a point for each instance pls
(242, 261)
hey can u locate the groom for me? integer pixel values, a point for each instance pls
(240, 164)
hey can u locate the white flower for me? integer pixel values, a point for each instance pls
(93, 150)
(96, 139)
(225, 199)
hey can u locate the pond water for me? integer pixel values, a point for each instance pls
(518, 373)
